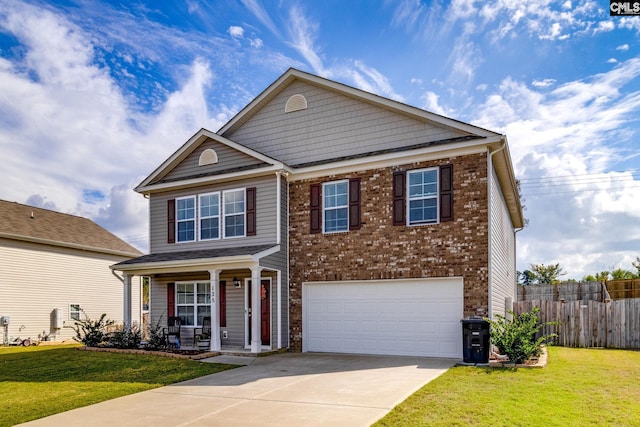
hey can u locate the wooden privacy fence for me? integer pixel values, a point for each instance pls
(624, 288)
(565, 291)
(613, 324)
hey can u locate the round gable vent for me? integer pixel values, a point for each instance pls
(208, 157)
(295, 103)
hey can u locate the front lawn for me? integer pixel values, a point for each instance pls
(578, 387)
(44, 380)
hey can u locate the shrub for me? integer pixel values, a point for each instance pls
(126, 337)
(92, 333)
(156, 339)
(517, 338)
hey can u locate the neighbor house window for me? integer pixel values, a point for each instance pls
(186, 219)
(74, 311)
(193, 302)
(209, 216)
(234, 213)
(423, 196)
(335, 207)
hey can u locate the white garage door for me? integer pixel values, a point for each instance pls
(413, 317)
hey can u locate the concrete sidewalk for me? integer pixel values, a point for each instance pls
(290, 389)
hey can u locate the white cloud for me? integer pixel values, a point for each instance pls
(623, 47)
(236, 32)
(302, 33)
(543, 83)
(256, 43)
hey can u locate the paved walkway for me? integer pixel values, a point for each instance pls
(290, 389)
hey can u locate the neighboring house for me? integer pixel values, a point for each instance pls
(354, 222)
(54, 267)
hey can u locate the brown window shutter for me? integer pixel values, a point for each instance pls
(251, 211)
(222, 295)
(446, 193)
(399, 205)
(171, 300)
(354, 204)
(171, 221)
(316, 208)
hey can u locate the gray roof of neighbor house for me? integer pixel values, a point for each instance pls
(28, 223)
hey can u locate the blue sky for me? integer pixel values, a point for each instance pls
(95, 94)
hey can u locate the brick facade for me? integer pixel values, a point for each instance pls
(379, 250)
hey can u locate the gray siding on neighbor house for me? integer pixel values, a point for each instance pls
(265, 216)
(502, 250)
(333, 126)
(37, 278)
(228, 160)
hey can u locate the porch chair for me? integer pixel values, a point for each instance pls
(172, 332)
(203, 338)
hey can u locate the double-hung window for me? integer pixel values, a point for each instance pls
(234, 213)
(74, 311)
(209, 205)
(193, 302)
(335, 206)
(423, 196)
(186, 219)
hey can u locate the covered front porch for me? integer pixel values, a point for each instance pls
(239, 291)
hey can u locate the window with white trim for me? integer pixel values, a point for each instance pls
(335, 206)
(193, 302)
(422, 203)
(234, 213)
(209, 205)
(186, 219)
(74, 311)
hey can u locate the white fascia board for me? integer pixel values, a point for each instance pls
(394, 159)
(266, 252)
(188, 147)
(67, 245)
(193, 182)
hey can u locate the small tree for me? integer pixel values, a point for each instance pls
(517, 338)
(620, 273)
(156, 339)
(92, 333)
(526, 277)
(547, 274)
(602, 276)
(636, 265)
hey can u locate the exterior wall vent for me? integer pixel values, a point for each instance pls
(208, 157)
(295, 103)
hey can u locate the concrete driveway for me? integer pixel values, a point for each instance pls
(290, 389)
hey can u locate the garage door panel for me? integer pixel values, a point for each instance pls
(408, 317)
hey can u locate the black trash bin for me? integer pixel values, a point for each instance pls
(475, 340)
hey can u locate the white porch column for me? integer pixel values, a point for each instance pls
(215, 310)
(256, 333)
(126, 300)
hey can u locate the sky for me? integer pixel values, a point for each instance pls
(94, 95)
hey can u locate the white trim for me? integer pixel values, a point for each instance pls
(224, 213)
(436, 197)
(79, 311)
(324, 209)
(279, 305)
(278, 207)
(199, 215)
(194, 219)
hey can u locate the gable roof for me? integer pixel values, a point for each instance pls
(155, 179)
(28, 223)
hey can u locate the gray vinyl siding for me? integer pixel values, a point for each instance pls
(502, 250)
(38, 278)
(265, 216)
(333, 126)
(228, 160)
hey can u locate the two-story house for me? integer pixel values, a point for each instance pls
(348, 221)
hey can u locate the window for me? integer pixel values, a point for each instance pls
(186, 219)
(335, 207)
(193, 302)
(74, 311)
(423, 196)
(234, 213)
(209, 216)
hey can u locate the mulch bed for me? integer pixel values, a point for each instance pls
(178, 354)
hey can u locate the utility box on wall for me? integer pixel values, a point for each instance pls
(5, 320)
(57, 321)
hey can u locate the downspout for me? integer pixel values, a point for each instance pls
(489, 214)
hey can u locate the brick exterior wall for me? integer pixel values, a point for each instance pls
(380, 250)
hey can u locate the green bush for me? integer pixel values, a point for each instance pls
(92, 333)
(156, 340)
(126, 337)
(517, 338)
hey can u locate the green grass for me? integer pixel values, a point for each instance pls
(579, 387)
(39, 381)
